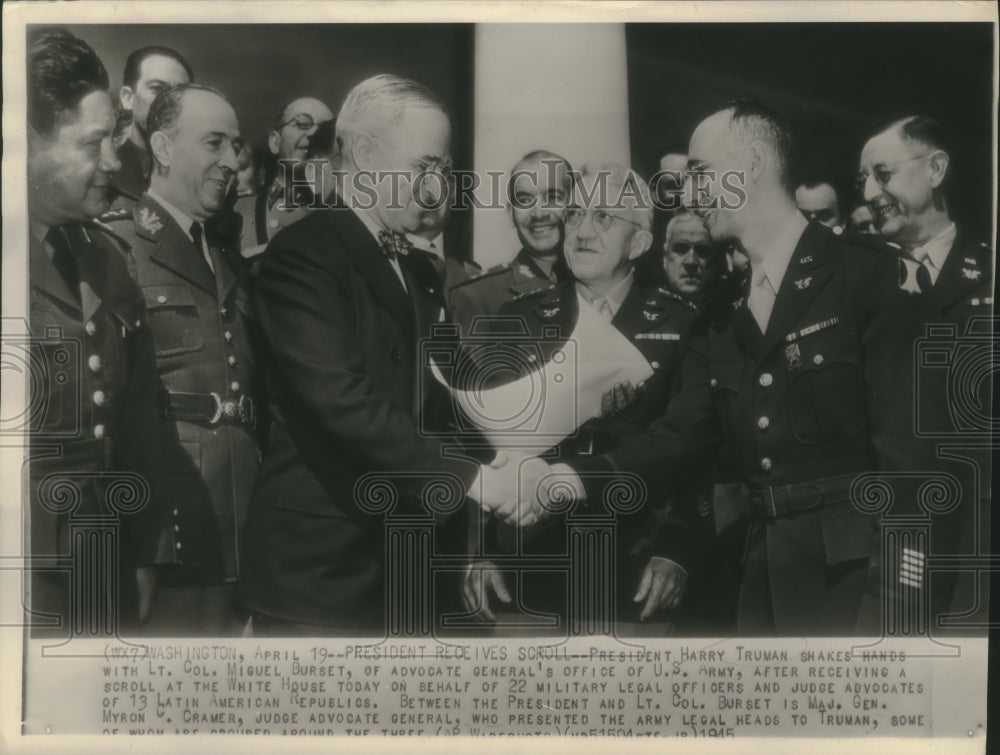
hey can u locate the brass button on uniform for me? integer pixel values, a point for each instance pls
(818, 359)
(94, 362)
(235, 386)
(714, 383)
(90, 328)
(766, 464)
(232, 360)
(177, 528)
(161, 299)
(763, 423)
(178, 546)
(228, 335)
(224, 312)
(99, 431)
(100, 398)
(766, 379)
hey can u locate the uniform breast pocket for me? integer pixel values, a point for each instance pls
(826, 390)
(173, 316)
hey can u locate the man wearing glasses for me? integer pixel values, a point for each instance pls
(540, 187)
(273, 207)
(601, 248)
(903, 177)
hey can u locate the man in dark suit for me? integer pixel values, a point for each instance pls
(540, 187)
(148, 71)
(342, 304)
(90, 327)
(806, 379)
(905, 171)
(655, 549)
(197, 290)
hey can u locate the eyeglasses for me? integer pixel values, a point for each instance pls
(702, 250)
(302, 121)
(601, 219)
(883, 172)
(436, 165)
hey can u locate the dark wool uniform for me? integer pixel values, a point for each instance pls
(208, 425)
(805, 408)
(658, 323)
(486, 293)
(132, 179)
(264, 214)
(959, 335)
(93, 408)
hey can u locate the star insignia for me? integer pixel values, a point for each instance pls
(149, 220)
(972, 275)
(803, 283)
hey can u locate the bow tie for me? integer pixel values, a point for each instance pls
(393, 244)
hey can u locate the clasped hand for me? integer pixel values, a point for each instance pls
(517, 488)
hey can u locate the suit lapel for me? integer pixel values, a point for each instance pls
(174, 250)
(963, 272)
(629, 319)
(804, 278)
(371, 263)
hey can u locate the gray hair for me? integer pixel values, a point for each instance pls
(378, 103)
(625, 189)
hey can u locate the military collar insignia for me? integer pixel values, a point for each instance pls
(549, 312)
(972, 275)
(803, 283)
(149, 220)
(739, 302)
(971, 261)
(806, 260)
(651, 316)
(525, 271)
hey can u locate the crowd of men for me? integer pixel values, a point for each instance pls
(255, 359)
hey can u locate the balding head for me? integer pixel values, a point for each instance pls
(296, 122)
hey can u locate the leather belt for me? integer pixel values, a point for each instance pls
(211, 408)
(787, 500)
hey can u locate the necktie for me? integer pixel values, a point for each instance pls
(761, 300)
(393, 244)
(62, 258)
(925, 273)
(197, 236)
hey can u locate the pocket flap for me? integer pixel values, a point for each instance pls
(168, 296)
(822, 350)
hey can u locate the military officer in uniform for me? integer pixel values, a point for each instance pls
(148, 71)
(275, 206)
(540, 187)
(91, 329)
(654, 547)
(197, 291)
(807, 381)
(904, 175)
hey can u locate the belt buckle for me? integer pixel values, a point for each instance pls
(217, 417)
(248, 413)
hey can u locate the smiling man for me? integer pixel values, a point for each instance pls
(197, 291)
(272, 207)
(904, 173)
(540, 188)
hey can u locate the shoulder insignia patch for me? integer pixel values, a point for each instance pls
(149, 220)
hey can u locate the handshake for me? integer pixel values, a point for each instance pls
(520, 489)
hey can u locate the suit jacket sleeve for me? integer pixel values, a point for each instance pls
(305, 304)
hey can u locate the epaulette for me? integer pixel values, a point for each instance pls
(100, 225)
(112, 215)
(534, 292)
(666, 292)
(483, 274)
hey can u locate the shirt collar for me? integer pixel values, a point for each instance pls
(938, 247)
(183, 220)
(775, 265)
(427, 245)
(615, 296)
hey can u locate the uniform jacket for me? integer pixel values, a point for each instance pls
(203, 333)
(824, 393)
(263, 216)
(132, 179)
(658, 323)
(347, 397)
(486, 293)
(96, 397)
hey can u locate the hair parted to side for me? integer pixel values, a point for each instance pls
(62, 70)
(136, 58)
(168, 105)
(924, 130)
(625, 190)
(755, 121)
(378, 103)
